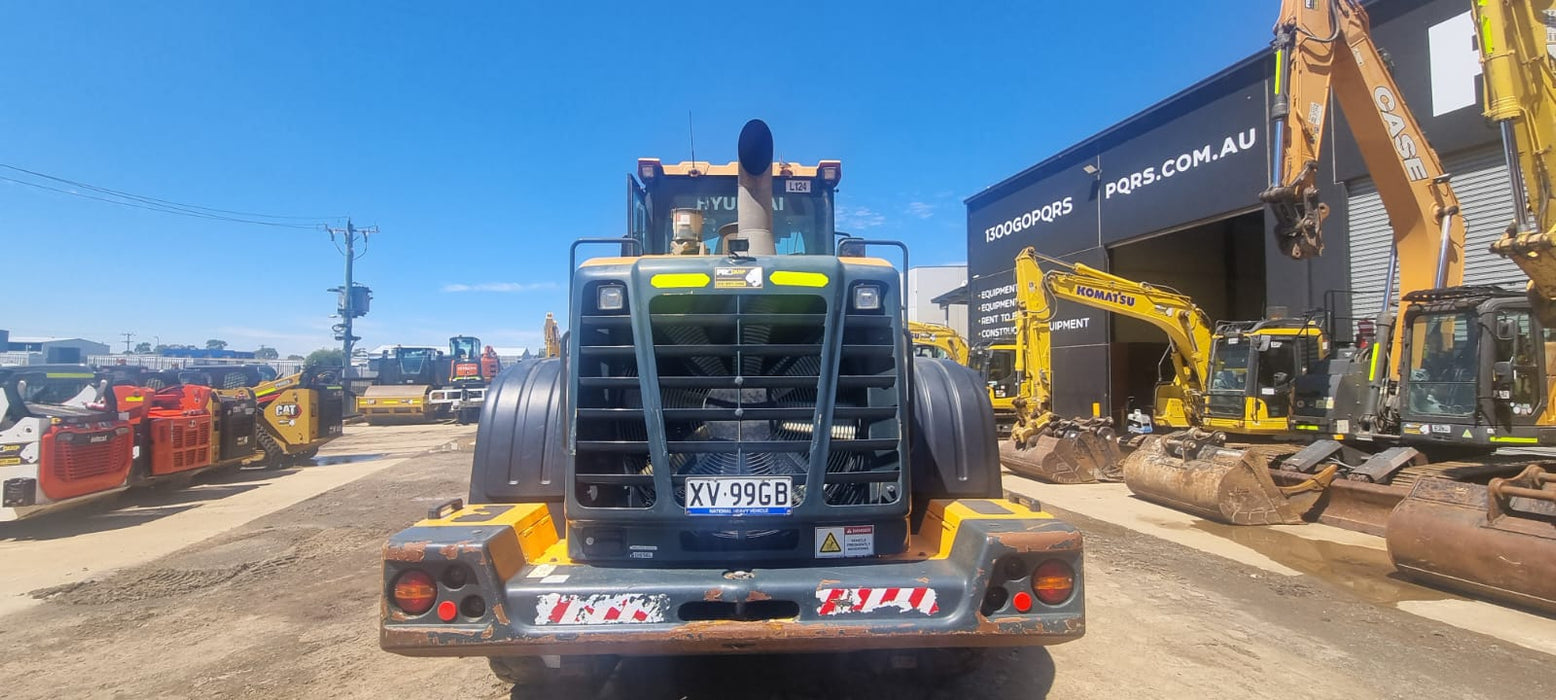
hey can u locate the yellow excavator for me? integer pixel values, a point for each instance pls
(1043, 445)
(938, 341)
(1323, 48)
(1498, 539)
(553, 337)
(1231, 378)
(1456, 371)
(996, 363)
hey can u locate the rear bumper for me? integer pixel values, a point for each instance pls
(536, 603)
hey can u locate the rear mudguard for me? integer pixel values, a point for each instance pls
(957, 585)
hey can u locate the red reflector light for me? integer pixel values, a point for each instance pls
(414, 591)
(447, 610)
(1053, 582)
(1022, 601)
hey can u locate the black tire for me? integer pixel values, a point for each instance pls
(520, 444)
(954, 450)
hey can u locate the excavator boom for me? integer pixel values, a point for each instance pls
(1518, 57)
(1323, 47)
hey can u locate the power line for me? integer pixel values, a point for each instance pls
(128, 199)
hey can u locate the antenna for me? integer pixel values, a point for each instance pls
(691, 135)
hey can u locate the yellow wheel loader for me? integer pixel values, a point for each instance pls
(736, 453)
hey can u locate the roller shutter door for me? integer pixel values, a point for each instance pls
(1480, 181)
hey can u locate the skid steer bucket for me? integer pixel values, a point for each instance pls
(1066, 452)
(1496, 541)
(1191, 471)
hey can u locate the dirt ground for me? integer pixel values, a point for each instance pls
(286, 606)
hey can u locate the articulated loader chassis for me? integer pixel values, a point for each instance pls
(735, 453)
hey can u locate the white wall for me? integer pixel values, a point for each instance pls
(926, 283)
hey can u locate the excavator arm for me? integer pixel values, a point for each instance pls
(1034, 351)
(553, 337)
(1042, 444)
(1188, 329)
(1324, 46)
(1518, 58)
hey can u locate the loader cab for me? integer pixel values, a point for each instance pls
(1253, 370)
(802, 211)
(1475, 362)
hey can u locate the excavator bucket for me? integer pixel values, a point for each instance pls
(1496, 540)
(1067, 452)
(1190, 471)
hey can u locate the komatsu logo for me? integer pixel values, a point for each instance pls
(1103, 295)
(1404, 143)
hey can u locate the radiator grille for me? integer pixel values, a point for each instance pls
(739, 377)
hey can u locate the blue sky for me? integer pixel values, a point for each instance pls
(482, 137)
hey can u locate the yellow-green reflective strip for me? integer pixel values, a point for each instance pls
(676, 280)
(791, 278)
(1516, 440)
(69, 375)
(1280, 67)
(1307, 427)
(1372, 375)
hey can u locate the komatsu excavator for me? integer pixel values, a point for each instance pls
(938, 341)
(1234, 378)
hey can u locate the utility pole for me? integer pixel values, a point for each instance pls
(127, 335)
(353, 303)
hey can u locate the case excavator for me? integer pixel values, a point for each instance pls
(737, 452)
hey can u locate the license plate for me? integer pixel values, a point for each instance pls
(739, 495)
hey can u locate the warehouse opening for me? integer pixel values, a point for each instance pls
(1219, 264)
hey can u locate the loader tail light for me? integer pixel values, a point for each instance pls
(1053, 581)
(414, 591)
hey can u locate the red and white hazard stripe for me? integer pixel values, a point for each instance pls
(840, 601)
(634, 608)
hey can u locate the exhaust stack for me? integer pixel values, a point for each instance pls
(754, 212)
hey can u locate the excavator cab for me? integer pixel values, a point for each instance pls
(997, 365)
(464, 359)
(1473, 361)
(1253, 370)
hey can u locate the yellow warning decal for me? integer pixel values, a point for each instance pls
(830, 545)
(676, 280)
(792, 278)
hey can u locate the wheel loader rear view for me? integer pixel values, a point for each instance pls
(735, 453)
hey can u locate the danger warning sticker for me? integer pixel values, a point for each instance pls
(848, 541)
